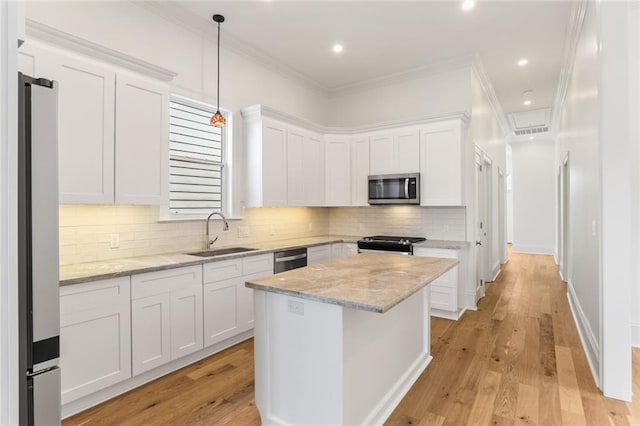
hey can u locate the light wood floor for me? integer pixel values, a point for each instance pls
(517, 360)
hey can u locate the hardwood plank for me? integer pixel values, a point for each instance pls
(570, 401)
(527, 405)
(482, 410)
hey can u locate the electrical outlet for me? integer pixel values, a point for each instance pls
(295, 307)
(243, 231)
(310, 226)
(272, 230)
(115, 241)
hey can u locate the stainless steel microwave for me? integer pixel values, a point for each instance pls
(394, 189)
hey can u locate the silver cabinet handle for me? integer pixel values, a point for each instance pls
(288, 258)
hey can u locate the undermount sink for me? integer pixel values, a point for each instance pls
(222, 251)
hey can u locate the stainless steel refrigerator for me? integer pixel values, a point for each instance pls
(39, 304)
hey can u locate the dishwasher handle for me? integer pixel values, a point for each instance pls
(290, 258)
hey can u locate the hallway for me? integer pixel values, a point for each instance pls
(517, 360)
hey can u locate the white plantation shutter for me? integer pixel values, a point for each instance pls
(195, 165)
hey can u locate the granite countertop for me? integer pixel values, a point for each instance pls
(369, 281)
(93, 271)
(443, 244)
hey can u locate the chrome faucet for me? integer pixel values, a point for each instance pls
(224, 228)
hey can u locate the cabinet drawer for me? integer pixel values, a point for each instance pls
(98, 294)
(444, 298)
(219, 271)
(434, 252)
(154, 283)
(255, 264)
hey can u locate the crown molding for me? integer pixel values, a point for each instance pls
(411, 74)
(79, 45)
(572, 37)
(489, 91)
(204, 29)
(255, 112)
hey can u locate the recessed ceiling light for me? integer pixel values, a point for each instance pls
(468, 4)
(522, 62)
(527, 102)
(531, 138)
(338, 48)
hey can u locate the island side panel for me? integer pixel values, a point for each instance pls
(384, 356)
(298, 370)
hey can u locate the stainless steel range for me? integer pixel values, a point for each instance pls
(388, 244)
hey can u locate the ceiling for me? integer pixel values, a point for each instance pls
(382, 38)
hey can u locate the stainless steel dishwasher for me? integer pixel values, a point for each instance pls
(289, 259)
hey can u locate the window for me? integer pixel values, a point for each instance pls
(196, 160)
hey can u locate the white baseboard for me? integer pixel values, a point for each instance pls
(447, 314)
(529, 249)
(635, 334)
(496, 271)
(555, 259)
(81, 404)
(587, 337)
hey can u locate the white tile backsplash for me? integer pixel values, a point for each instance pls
(85, 231)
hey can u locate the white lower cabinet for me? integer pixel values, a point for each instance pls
(349, 249)
(319, 254)
(228, 304)
(444, 290)
(166, 316)
(95, 336)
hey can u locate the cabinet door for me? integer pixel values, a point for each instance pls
(336, 251)
(349, 249)
(274, 164)
(186, 321)
(441, 160)
(245, 301)
(296, 173)
(86, 114)
(150, 332)
(95, 336)
(313, 161)
(221, 310)
(360, 171)
(337, 171)
(383, 155)
(318, 254)
(142, 141)
(407, 145)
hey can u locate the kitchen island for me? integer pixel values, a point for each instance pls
(342, 342)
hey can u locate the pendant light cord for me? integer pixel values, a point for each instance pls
(218, 89)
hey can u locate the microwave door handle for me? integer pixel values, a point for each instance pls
(406, 188)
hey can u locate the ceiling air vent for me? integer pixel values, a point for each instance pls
(532, 131)
(531, 122)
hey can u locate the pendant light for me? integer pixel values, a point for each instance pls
(218, 119)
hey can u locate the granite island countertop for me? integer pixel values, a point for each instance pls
(368, 281)
(100, 270)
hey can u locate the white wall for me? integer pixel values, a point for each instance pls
(534, 196)
(486, 133)
(420, 97)
(509, 191)
(594, 130)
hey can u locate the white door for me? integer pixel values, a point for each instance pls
(296, 174)
(221, 310)
(383, 155)
(480, 240)
(313, 173)
(407, 145)
(337, 171)
(274, 164)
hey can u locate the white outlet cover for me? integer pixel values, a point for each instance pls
(295, 307)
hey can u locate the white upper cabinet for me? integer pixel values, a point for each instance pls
(112, 125)
(266, 162)
(395, 152)
(442, 164)
(338, 171)
(305, 168)
(359, 170)
(86, 116)
(142, 139)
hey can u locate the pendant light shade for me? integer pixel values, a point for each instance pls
(218, 119)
